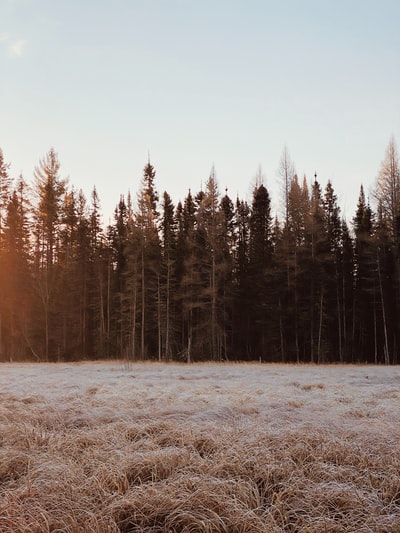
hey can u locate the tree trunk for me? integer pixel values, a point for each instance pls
(386, 347)
(189, 346)
(84, 313)
(102, 325)
(46, 325)
(296, 327)
(281, 333)
(339, 318)
(167, 326)
(133, 340)
(320, 327)
(142, 339)
(159, 318)
(213, 308)
(108, 307)
(344, 314)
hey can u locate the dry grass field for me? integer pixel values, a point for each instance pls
(111, 447)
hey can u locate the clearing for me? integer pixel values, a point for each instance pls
(109, 447)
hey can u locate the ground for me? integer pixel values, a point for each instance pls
(148, 447)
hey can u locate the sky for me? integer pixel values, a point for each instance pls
(193, 84)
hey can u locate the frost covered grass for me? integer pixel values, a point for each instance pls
(111, 447)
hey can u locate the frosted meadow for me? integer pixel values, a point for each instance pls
(148, 447)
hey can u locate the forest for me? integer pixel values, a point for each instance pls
(211, 278)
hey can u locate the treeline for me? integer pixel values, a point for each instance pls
(212, 278)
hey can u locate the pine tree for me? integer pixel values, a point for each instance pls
(50, 189)
(210, 259)
(260, 263)
(16, 299)
(332, 274)
(98, 281)
(347, 290)
(68, 289)
(5, 183)
(167, 278)
(189, 276)
(228, 249)
(365, 282)
(312, 254)
(118, 313)
(242, 299)
(289, 252)
(147, 223)
(384, 310)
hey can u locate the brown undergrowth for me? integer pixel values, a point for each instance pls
(76, 467)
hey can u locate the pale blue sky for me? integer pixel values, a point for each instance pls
(199, 83)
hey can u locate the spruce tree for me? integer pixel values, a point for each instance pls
(242, 299)
(16, 301)
(146, 219)
(167, 278)
(365, 281)
(260, 262)
(49, 189)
